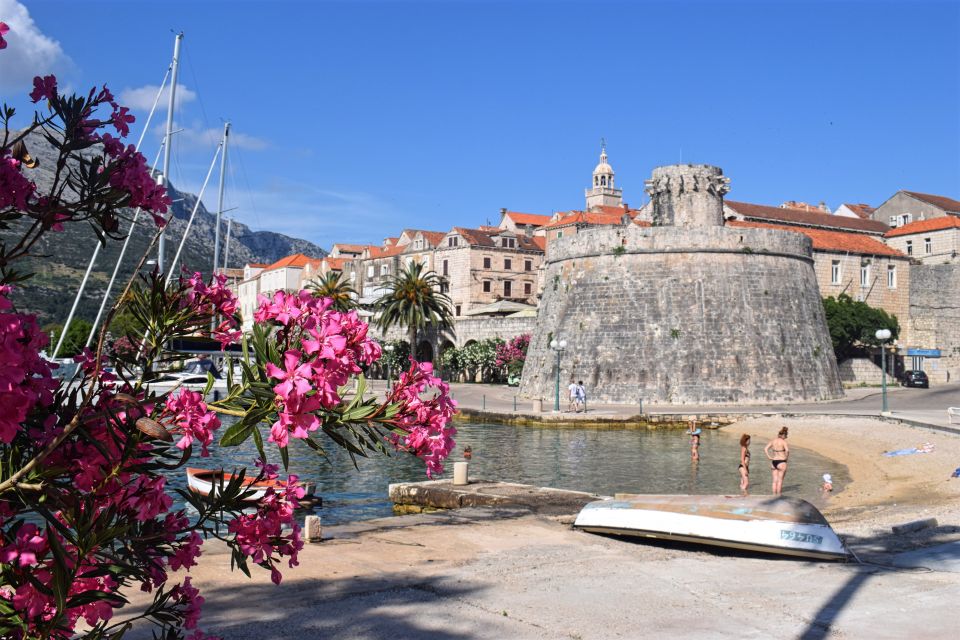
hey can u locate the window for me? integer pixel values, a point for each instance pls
(446, 270)
(486, 262)
(865, 275)
(486, 286)
(559, 234)
(418, 244)
(453, 241)
(456, 310)
(508, 243)
(370, 271)
(384, 269)
(927, 245)
(835, 272)
(527, 288)
(891, 277)
(507, 288)
(909, 247)
(444, 287)
(528, 265)
(507, 264)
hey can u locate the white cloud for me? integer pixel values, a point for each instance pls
(142, 98)
(29, 52)
(199, 138)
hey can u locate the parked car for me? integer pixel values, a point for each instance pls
(914, 379)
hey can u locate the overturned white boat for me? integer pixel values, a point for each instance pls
(770, 524)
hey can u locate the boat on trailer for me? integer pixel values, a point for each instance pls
(207, 482)
(769, 524)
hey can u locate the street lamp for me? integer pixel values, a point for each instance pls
(558, 346)
(883, 335)
(389, 349)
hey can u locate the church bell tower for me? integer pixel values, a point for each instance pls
(603, 193)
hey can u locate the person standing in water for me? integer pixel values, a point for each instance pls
(778, 452)
(744, 468)
(694, 441)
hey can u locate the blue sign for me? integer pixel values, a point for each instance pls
(926, 353)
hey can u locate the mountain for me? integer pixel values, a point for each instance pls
(62, 257)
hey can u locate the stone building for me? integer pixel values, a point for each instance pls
(858, 210)
(931, 241)
(529, 223)
(935, 320)
(483, 266)
(905, 207)
(686, 311)
(811, 218)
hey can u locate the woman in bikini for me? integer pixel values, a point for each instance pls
(694, 434)
(778, 451)
(744, 468)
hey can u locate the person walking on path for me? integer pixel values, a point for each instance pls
(694, 433)
(572, 390)
(744, 468)
(581, 397)
(778, 451)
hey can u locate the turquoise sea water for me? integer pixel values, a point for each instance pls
(603, 461)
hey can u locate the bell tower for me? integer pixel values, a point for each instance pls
(603, 193)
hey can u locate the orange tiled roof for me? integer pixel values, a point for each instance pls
(591, 217)
(825, 240)
(350, 248)
(806, 218)
(481, 238)
(541, 242)
(335, 264)
(528, 218)
(297, 260)
(945, 203)
(860, 209)
(433, 237)
(925, 226)
(257, 265)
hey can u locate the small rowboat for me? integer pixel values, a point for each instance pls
(769, 524)
(207, 482)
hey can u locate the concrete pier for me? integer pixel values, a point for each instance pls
(418, 497)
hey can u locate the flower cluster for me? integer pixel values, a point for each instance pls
(260, 535)
(129, 173)
(191, 418)
(4, 29)
(423, 423)
(15, 189)
(326, 347)
(212, 300)
(25, 377)
(513, 351)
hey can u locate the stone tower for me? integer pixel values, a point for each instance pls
(603, 193)
(687, 311)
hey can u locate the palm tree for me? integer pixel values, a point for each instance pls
(334, 286)
(413, 300)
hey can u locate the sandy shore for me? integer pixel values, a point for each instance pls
(884, 490)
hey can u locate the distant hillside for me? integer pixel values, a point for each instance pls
(50, 292)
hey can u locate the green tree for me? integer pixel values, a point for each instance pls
(334, 286)
(413, 301)
(853, 325)
(73, 342)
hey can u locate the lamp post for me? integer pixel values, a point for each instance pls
(883, 335)
(558, 346)
(389, 349)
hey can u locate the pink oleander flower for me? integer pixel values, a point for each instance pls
(122, 120)
(129, 173)
(187, 553)
(45, 87)
(192, 419)
(422, 426)
(189, 597)
(4, 30)
(24, 549)
(15, 188)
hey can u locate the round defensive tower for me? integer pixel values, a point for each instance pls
(686, 311)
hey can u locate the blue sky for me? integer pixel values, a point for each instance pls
(355, 120)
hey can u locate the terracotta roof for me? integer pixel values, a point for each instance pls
(590, 218)
(481, 238)
(925, 226)
(390, 241)
(393, 250)
(541, 242)
(297, 261)
(945, 203)
(824, 240)
(806, 218)
(528, 218)
(335, 264)
(862, 210)
(257, 265)
(490, 228)
(350, 248)
(434, 237)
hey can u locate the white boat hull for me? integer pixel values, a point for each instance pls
(784, 526)
(207, 483)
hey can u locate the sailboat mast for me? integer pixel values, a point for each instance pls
(223, 173)
(161, 247)
(226, 249)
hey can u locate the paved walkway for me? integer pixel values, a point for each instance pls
(920, 406)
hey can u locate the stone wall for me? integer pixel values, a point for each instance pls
(935, 318)
(856, 371)
(694, 315)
